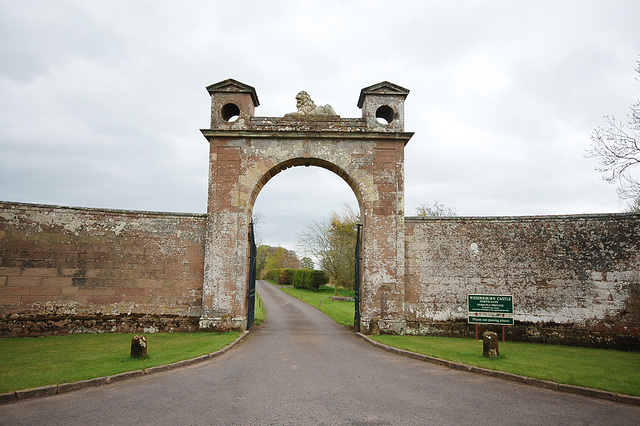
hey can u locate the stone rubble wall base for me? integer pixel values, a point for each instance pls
(63, 325)
(222, 324)
(527, 332)
(383, 326)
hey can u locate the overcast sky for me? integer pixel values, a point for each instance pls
(101, 102)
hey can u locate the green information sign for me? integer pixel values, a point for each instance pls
(490, 303)
(491, 320)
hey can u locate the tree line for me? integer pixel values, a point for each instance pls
(330, 245)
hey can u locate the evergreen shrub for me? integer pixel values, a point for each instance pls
(309, 278)
(299, 278)
(283, 276)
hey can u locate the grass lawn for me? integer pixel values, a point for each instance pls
(29, 362)
(609, 370)
(38, 361)
(341, 312)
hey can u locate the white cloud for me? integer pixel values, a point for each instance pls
(102, 102)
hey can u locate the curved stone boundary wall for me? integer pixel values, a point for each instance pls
(574, 279)
(68, 270)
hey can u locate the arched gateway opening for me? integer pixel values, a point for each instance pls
(247, 151)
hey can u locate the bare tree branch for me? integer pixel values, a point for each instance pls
(617, 148)
(435, 210)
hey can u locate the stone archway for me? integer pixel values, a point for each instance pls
(246, 151)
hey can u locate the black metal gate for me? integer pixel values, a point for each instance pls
(356, 282)
(251, 302)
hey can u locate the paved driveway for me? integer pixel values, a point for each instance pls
(301, 368)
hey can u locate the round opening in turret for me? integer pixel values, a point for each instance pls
(230, 112)
(384, 114)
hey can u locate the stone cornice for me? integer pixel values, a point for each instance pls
(306, 134)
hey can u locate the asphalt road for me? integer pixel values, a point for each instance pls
(301, 368)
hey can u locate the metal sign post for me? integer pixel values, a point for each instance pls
(490, 309)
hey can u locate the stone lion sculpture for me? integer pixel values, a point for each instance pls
(306, 107)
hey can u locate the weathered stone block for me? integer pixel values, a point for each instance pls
(139, 347)
(46, 291)
(40, 272)
(490, 344)
(24, 281)
(69, 291)
(10, 271)
(11, 300)
(57, 281)
(104, 299)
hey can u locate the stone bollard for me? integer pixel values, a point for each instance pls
(490, 344)
(139, 347)
(225, 324)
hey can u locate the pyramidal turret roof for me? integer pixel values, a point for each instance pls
(383, 88)
(234, 86)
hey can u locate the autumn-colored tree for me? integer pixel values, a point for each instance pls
(275, 258)
(332, 242)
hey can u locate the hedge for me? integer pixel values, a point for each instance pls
(283, 276)
(299, 278)
(309, 278)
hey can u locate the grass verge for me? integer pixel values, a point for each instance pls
(341, 312)
(258, 313)
(38, 361)
(613, 371)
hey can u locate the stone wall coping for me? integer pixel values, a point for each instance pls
(119, 212)
(583, 216)
(577, 390)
